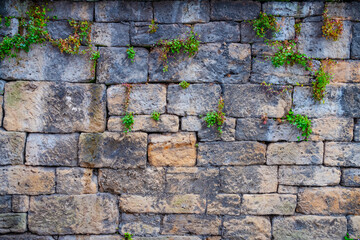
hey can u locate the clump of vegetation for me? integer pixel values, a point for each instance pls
(128, 121)
(155, 115)
(301, 122)
(273, 91)
(288, 54)
(7, 21)
(332, 28)
(184, 84)
(128, 236)
(216, 117)
(297, 27)
(265, 23)
(153, 27)
(131, 53)
(322, 78)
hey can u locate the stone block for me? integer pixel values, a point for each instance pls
(113, 150)
(262, 49)
(54, 107)
(248, 227)
(268, 204)
(11, 30)
(12, 146)
(342, 154)
(208, 134)
(287, 189)
(75, 181)
(350, 177)
(344, 10)
(25, 236)
(224, 204)
(234, 10)
(191, 224)
(218, 32)
(59, 29)
(332, 129)
(16, 8)
(355, 44)
(345, 71)
(171, 237)
(12, 222)
(90, 237)
(294, 9)
(110, 34)
(5, 204)
(354, 226)
(357, 131)
(83, 11)
(140, 225)
(2, 87)
(20, 203)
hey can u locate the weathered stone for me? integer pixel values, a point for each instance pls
(309, 175)
(176, 149)
(192, 123)
(204, 66)
(114, 66)
(54, 107)
(184, 203)
(12, 222)
(71, 10)
(350, 177)
(26, 180)
(302, 153)
(192, 180)
(332, 129)
(11, 30)
(144, 99)
(239, 102)
(12, 146)
(46, 63)
(218, 32)
(355, 44)
(2, 87)
(145, 123)
(313, 44)
(140, 225)
(1, 109)
(235, 10)
(262, 49)
(345, 71)
(208, 134)
(287, 189)
(191, 224)
(342, 154)
(231, 153)
(268, 204)
(77, 214)
(116, 11)
(90, 237)
(170, 238)
(357, 131)
(5, 204)
(59, 29)
(329, 200)
(224, 204)
(248, 179)
(110, 34)
(75, 181)
(16, 8)
(294, 9)
(347, 11)
(247, 227)
(20, 203)
(25, 237)
(309, 227)
(114, 150)
(52, 149)
(354, 226)
(135, 181)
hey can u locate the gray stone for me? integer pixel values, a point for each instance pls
(294, 9)
(350, 177)
(224, 204)
(110, 34)
(212, 133)
(287, 189)
(313, 44)
(182, 11)
(355, 44)
(20, 203)
(196, 99)
(231, 153)
(248, 179)
(114, 150)
(59, 29)
(247, 227)
(171, 237)
(11, 30)
(309, 227)
(191, 224)
(218, 32)
(47, 63)
(25, 237)
(239, 102)
(5, 204)
(77, 214)
(12, 146)
(192, 123)
(114, 66)
(332, 129)
(204, 67)
(268, 204)
(262, 49)
(75, 181)
(135, 181)
(12, 222)
(71, 10)
(354, 226)
(357, 131)
(16, 8)
(2, 87)
(344, 10)
(1, 108)
(140, 225)
(143, 99)
(54, 107)
(309, 175)
(52, 149)
(234, 10)
(342, 154)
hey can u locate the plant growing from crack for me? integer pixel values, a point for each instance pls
(155, 115)
(128, 119)
(301, 122)
(216, 118)
(131, 53)
(184, 84)
(265, 23)
(153, 27)
(332, 28)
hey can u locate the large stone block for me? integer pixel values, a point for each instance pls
(191, 224)
(114, 66)
(344, 10)
(15, 8)
(27, 180)
(294, 9)
(235, 10)
(171, 237)
(20, 203)
(54, 107)
(204, 66)
(60, 29)
(268, 204)
(77, 214)
(176, 149)
(342, 154)
(5, 204)
(140, 225)
(208, 134)
(247, 227)
(12, 222)
(71, 10)
(218, 32)
(354, 226)
(345, 71)
(332, 129)
(46, 63)
(114, 150)
(90, 237)
(309, 227)
(248, 179)
(52, 149)
(355, 44)
(351, 177)
(231, 153)
(135, 181)
(75, 181)
(329, 200)
(12, 146)
(224, 204)
(25, 237)
(110, 34)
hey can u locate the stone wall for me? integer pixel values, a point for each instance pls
(68, 171)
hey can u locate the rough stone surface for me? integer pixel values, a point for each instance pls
(355, 45)
(11, 30)
(90, 237)
(218, 32)
(354, 226)
(110, 34)
(207, 134)
(342, 154)
(25, 237)
(54, 107)
(114, 150)
(357, 131)
(268, 204)
(351, 177)
(52, 149)
(59, 29)
(140, 224)
(2, 86)
(12, 146)
(222, 204)
(294, 9)
(234, 10)
(248, 227)
(172, 149)
(20, 203)
(12, 222)
(347, 11)
(287, 189)
(5, 204)
(75, 181)
(345, 71)
(72, 10)
(332, 129)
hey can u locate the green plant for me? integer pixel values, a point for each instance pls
(153, 27)
(196, 145)
(276, 91)
(95, 55)
(301, 122)
(287, 54)
(131, 53)
(265, 23)
(332, 28)
(184, 84)
(128, 121)
(155, 115)
(216, 117)
(297, 27)
(128, 236)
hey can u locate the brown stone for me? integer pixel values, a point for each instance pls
(344, 71)
(140, 224)
(191, 224)
(75, 181)
(247, 227)
(20, 203)
(268, 204)
(12, 146)
(332, 129)
(224, 204)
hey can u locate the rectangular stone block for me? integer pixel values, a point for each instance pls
(294, 9)
(134, 181)
(268, 204)
(61, 29)
(113, 150)
(114, 66)
(344, 10)
(287, 189)
(329, 200)
(302, 153)
(5, 204)
(110, 34)
(12, 146)
(26, 236)
(54, 107)
(47, 63)
(184, 203)
(312, 227)
(231, 153)
(144, 99)
(20, 203)
(208, 134)
(71, 10)
(345, 71)
(357, 131)
(77, 214)
(248, 179)
(90, 237)
(350, 177)
(354, 226)
(248, 227)
(239, 102)
(177, 149)
(342, 154)
(26, 180)
(218, 32)
(203, 67)
(75, 181)
(332, 129)
(224, 204)
(355, 44)
(235, 10)
(171, 237)
(262, 49)
(12, 222)
(52, 149)
(193, 224)
(140, 225)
